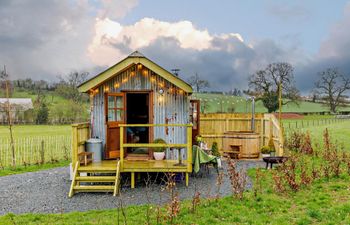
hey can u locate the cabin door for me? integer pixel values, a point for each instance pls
(115, 115)
(194, 118)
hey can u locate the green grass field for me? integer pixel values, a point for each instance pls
(324, 202)
(35, 130)
(32, 168)
(225, 103)
(340, 133)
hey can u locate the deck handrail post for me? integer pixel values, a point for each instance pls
(121, 146)
(74, 146)
(189, 148)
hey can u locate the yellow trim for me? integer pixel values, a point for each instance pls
(124, 64)
(155, 125)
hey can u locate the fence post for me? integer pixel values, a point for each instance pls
(42, 153)
(262, 132)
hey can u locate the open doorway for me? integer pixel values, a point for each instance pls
(138, 112)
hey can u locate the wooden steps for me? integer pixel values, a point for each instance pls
(96, 179)
(94, 188)
(97, 175)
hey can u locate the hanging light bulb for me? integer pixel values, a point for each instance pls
(116, 85)
(145, 72)
(139, 66)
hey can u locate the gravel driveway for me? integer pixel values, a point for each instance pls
(47, 192)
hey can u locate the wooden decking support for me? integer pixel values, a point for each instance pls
(132, 179)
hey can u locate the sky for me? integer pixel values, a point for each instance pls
(223, 41)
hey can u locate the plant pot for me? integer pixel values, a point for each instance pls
(265, 155)
(158, 155)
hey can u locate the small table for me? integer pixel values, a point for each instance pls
(85, 158)
(274, 160)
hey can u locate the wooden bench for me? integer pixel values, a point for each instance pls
(85, 158)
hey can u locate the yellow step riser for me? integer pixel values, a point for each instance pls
(94, 188)
(96, 179)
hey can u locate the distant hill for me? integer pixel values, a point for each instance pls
(212, 103)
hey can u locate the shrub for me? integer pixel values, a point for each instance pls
(266, 150)
(159, 141)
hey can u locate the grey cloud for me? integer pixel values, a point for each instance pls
(43, 39)
(225, 66)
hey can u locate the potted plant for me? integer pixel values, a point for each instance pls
(159, 152)
(198, 139)
(265, 151)
(268, 150)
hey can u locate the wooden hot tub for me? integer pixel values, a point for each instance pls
(242, 144)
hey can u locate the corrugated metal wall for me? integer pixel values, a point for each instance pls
(172, 107)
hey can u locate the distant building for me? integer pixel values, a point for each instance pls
(20, 108)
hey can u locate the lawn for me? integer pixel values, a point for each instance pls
(324, 202)
(20, 131)
(32, 168)
(339, 131)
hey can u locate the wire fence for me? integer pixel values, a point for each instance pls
(298, 124)
(35, 150)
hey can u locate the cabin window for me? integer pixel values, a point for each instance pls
(116, 110)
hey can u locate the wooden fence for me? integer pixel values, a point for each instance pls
(35, 150)
(213, 126)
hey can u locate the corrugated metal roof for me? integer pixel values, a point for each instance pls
(136, 54)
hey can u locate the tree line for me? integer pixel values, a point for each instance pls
(55, 102)
(330, 88)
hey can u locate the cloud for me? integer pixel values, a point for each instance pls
(116, 9)
(333, 52)
(51, 38)
(223, 59)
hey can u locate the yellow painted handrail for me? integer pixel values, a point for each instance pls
(155, 125)
(151, 145)
(187, 145)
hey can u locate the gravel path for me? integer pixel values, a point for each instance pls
(46, 192)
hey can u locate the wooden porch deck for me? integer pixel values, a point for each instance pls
(136, 166)
(133, 166)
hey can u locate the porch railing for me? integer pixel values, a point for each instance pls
(187, 145)
(80, 133)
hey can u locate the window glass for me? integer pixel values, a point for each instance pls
(111, 115)
(119, 100)
(111, 103)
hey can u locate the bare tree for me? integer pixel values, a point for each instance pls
(265, 84)
(332, 84)
(5, 78)
(67, 86)
(197, 83)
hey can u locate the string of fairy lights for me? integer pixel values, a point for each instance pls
(147, 73)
